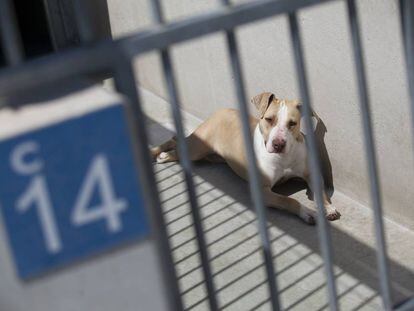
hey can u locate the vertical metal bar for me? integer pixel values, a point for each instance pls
(125, 84)
(186, 164)
(407, 24)
(405, 20)
(253, 172)
(382, 260)
(314, 162)
(407, 27)
(83, 21)
(11, 40)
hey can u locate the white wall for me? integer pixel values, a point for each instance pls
(206, 82)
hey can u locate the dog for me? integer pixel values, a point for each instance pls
(278, 143)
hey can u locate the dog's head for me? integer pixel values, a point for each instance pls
(279, 121)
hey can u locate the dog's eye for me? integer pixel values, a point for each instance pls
(292, 123)
(269, 119)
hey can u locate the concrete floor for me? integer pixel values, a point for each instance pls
(234, 245)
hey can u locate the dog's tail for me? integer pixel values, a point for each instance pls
(169, 145)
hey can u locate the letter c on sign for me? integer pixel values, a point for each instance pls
(18, 155)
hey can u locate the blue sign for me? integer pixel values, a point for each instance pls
(69, 190)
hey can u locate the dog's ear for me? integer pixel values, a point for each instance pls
(262, 102)
(313, 113)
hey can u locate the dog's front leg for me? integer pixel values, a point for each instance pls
(273, 199)
(330, 210)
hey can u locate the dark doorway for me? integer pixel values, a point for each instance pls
(33, 25)
(47, 26)
(2, 60)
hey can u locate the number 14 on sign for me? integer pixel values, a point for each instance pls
(37, 195)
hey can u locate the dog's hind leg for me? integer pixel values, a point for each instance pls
(215, 158)
(167, 152)
(166, 146)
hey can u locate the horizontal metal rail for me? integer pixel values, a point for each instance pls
(47, 70)
(101, 56)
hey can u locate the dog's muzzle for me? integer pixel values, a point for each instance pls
(279, 145)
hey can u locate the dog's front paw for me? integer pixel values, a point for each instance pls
(332, 214)
(307, 214)
(154, 153)
(162, 157)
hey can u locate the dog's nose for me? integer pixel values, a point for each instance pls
(279, 145)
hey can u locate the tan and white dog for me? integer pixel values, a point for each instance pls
(278, 142)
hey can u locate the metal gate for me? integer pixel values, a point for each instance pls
(114, 58)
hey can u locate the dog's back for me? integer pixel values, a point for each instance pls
(220, 134)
